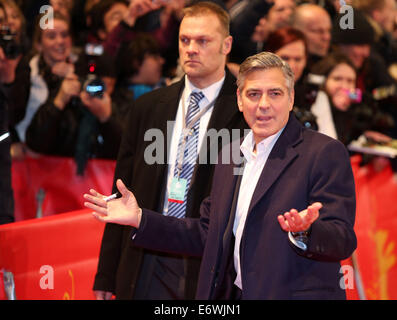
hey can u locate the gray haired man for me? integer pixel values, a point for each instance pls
(279, 230)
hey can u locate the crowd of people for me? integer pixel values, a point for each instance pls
(133, 48)
(68, 90)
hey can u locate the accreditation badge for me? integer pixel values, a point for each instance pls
(177, 190)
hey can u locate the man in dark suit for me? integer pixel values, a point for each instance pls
(279, 230)
(128, 271)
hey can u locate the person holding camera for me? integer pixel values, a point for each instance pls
(15, 46)
(343, 111)
(12, 99)
(74, 114)
(7, 75)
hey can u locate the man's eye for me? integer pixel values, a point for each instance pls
(275, 93)
(202, 41)
(253, 94)
(184, 40)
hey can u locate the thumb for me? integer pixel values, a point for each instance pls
(122, 188)
(316, 206)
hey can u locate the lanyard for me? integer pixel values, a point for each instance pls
(187, 131)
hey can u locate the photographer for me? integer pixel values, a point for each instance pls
(15, 46)
(12, 105)
(71, 120)
(343, 111)
(7, 75)
(6, 194)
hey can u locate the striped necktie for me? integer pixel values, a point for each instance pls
(190, 153)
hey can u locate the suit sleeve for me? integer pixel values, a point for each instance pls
(169, 234)
(332, 236)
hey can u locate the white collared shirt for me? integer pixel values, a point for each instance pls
(210, 93)
(253, 168)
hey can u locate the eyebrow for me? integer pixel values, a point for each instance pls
(276, 89)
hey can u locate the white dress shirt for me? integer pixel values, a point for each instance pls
(255, 162)
(210, 93)
(321, 108)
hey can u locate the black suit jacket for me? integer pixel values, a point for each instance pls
(303, 167)
(119, 262)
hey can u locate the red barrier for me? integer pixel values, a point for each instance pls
(376, 225)
(62, 189)
(26, 246)
(53, 257)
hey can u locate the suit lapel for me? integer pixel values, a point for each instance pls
(282, 154)
(225, 109)
(235, 185)
(168, 106)
(165, 110)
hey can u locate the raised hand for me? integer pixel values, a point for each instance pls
(124, 210)
(138, 8)
(294, 221)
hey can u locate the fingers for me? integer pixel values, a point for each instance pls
(283, 223)
(96, 203)
(96, 193)
(294, 221)
(96, 199)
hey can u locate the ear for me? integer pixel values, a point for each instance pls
(227, 45)
(239, 101)
(292, 99)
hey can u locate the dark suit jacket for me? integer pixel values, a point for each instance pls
(303, 167)
(119, 262)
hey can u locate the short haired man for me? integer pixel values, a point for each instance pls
(315, 22)
(128, 271)
(279, 230)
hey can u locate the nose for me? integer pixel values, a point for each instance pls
(192, 47)
(264, 102)
(59, 39)
(326, 36)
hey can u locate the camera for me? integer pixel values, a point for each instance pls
(8, 43)
(93, 84)
(354, 95)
